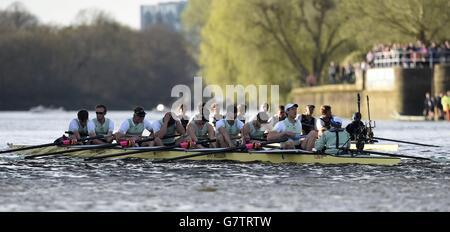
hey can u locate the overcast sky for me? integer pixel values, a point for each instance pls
(63, 12)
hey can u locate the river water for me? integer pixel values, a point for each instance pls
(71, 184)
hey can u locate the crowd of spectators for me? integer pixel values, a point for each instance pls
(437, 107)
(341, 74)
(410, 55)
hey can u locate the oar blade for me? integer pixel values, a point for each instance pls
(28, 148)
(56, 143)
(103, 146)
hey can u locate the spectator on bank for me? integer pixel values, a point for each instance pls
(370, 58)
(446, 104)
(447, 51)
(441, 54)
(409, 55)
(428, 107)
(341, 74)
(433, 53)
(439, 109)
(311, 80)
(332, 73)
(349, 73)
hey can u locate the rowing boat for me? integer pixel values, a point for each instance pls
(270, 156)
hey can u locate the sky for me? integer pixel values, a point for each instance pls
(63, 12)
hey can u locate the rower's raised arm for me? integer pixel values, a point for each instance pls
(180, 128)
(91, 129)
(226, 137)
(211, 133)
(274, 135)
(246, 132)
(122, 130)
(190, 131)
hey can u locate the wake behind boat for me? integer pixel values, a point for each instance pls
(44, 109)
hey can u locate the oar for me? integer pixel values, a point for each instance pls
(398, 155)
(150, 149)
(103, 146)
(109, 145)
(206, 141)
(48, 144)
(401, 141)
(216, 151)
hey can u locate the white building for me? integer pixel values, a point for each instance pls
(167, 13)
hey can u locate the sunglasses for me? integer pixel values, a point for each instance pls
(100, 113)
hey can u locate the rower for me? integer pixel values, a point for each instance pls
(103, 126)
(357, 131)
(324, 121)
(241, 108)
(253, 131)
(215, 114)
(292, 130)
(265, 107)
(184, 119)
(168, 126)
(335, 140)
(228, 128)
(198, 129)
(280, 116)
(133, 128)
(79, 127)
(307, 120)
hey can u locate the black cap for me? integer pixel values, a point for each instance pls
(139, 111)
(356, 116)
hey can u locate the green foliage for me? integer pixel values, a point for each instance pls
(193, 18)
(400, 20)
(269, 42)
(284, 41)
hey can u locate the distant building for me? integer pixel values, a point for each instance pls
(167, 13)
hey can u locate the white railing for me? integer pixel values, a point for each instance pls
(409, 59)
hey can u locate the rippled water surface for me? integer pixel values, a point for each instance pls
(71, 184)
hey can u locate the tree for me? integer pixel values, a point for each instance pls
(268, 41)
(91, 16)
(315, 25)
(424, 20)
(193, 18)
(95, 61)
(16, 16)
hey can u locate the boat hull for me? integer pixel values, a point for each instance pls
(278, 156)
